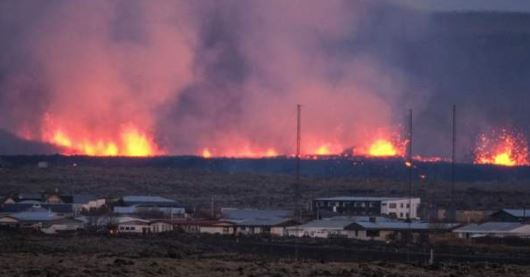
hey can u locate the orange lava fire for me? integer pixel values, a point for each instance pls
(506, 149)
(382, 148)
(131, 142)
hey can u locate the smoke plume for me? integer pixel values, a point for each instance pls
(185, 76)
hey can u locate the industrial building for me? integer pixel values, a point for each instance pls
(396, 207)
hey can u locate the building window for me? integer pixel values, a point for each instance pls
(401, 215)
(401, 205)
(392, 205)
(372, 233)
(408, 205)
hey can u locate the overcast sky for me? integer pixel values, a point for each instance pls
(470, 5)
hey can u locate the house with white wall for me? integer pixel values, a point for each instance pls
(494, 229)
(397, 207)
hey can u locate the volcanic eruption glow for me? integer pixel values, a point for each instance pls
(382, 148)
(131, 142)
(505, 149)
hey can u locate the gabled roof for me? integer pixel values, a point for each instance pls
(255, 217)
(158, 201)
(489, 227)
(517, 212)
(143, 198)
(8, 216)
(262, 221)
(362, 198)
(129, 219)
(372, 223)
(36, 215)
(20, 207)
(401, 225)
(324, 223)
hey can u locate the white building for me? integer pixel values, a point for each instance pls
(364, 228)
(62, 225)
(397, 207)
(494, 229)
(128, 224)
(323, 228)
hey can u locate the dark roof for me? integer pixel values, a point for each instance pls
(158, 201)
(198, 222)
(489, 227)
(524, 213)
(20, 207)
(36, 215)
(393, 225)
(254, 217)
(362, 198)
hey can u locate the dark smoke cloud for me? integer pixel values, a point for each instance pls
(223, 74)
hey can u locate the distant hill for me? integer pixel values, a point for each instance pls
(13, 145)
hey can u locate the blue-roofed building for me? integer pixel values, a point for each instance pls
(137, 204)
(131, 200)
(254, 221)
(35, 217)
(365, 228)
(60, 209)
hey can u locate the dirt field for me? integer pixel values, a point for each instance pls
(196, 188)
(84, 255)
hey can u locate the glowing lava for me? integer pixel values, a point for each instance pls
(323, 150)
(506, 149)
(206, 153)
(382, 148)
(131, 142)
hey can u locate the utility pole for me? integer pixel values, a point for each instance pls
(298, 144)
(452, 209)
(409, 164)
(297, 211)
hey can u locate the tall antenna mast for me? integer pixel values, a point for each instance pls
(452, 215)
(409, 164)
(297, 211)
(298, 144)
